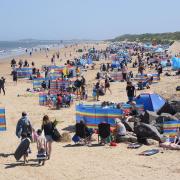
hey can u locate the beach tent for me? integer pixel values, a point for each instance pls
(89, 61)
(2, 119)
(95, 114)
(176, 63)
(83, 62)
(150, 101)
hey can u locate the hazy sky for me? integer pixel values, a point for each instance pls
(90, 19)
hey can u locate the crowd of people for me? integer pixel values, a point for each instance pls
(44, 135)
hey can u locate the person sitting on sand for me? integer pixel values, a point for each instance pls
(169, 145)
(26, 64)
(177, 137)
(41, 147)
(120, 130)
(43, 85)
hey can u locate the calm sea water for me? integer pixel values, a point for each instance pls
(15, 48)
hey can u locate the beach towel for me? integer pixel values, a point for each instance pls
(149, 152)
(134, 146)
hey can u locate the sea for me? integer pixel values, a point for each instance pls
(15, 48)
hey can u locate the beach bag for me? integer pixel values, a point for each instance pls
(56, 136)
(76, 138)
(178, 88)
(113, 144)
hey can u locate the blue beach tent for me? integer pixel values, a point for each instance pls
(176, 63)
(151, 102)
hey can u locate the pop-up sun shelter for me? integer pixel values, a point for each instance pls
(151, 101)
(176, 63)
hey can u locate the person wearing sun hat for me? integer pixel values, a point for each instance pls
(120, 128)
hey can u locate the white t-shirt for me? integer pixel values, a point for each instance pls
(121, 129)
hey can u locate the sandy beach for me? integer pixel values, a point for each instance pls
(75, 163)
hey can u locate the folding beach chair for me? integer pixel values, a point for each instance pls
(82, 133)
(104, 133)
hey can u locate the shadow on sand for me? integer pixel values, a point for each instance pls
(31, 162)
(70, 128)
(81, 145)
(5, 155)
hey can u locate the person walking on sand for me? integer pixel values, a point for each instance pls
(24, 126)
(131, 91)
(47, 127)
(107, 85)
(124, 72)
(2, 82)
(14, 74)
(41, 147)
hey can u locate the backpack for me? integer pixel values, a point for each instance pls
(178, 88)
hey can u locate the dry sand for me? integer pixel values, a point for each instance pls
(78, 162)
(174, 49)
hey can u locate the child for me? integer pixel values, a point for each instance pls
(34, 135)
(41, 147)
(24, 136)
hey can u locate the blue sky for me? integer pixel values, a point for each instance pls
(86, 19)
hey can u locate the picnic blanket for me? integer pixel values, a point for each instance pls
(2, 119)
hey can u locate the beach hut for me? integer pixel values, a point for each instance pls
(2, 119)
(151, 101)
